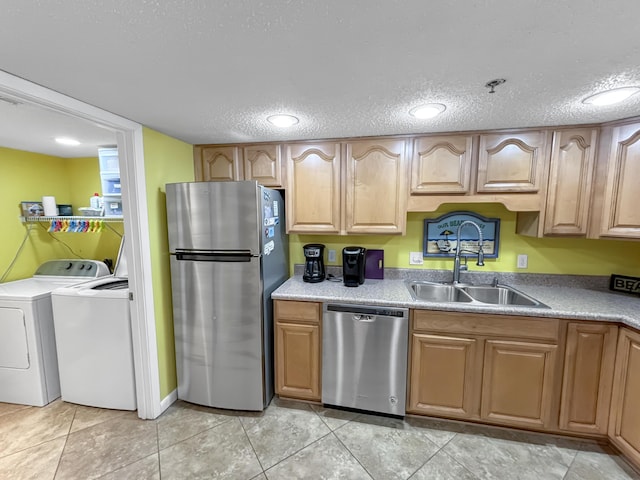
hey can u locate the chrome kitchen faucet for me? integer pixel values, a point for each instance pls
(457, 268)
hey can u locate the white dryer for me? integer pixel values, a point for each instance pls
(93, 339)
(28, 360)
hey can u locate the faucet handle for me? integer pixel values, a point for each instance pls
(464, 267)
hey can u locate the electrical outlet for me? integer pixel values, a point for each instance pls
(523, 261)
(332, 255)
(415, 258)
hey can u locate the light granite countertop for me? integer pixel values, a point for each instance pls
(567, 296)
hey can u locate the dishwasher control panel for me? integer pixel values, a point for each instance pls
(364, 310)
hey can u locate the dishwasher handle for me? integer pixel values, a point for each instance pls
(364, 318)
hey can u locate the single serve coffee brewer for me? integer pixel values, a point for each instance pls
(353, 265)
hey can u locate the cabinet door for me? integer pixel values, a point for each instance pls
(624, 422)
(570, 177)
(263, 163)
(376, 187)
(441, 164)
(217, 163)
(298, 360)
(313, 188)
(588, 376)
(444, 376)
(517, 387)
(621, 215)
(512, 162)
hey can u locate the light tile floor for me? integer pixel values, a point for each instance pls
(289, 440)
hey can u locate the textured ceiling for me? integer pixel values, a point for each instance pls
(210, 71)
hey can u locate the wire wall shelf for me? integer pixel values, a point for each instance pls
(40, 219)
(73, 224)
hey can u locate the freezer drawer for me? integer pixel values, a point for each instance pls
(364, 357)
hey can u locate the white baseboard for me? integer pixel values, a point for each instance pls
(168, 400)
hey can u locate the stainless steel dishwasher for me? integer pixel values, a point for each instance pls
(364, 357)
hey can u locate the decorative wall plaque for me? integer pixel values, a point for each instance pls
(440, 235)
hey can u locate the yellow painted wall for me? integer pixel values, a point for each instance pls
(546, 255)
(27, 176)
(166, 160)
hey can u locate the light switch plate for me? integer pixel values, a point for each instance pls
(416, 258)
(332, 255)
(523, 261)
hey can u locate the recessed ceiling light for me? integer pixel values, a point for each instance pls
(612, 96)
(67, 141)
(282, 120)
(427, 111)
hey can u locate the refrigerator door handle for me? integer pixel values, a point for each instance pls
(228, 256)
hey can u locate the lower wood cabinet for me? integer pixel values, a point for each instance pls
(297, 347)
(518, 381)
(588, 377)
(445, 373)
(624, 422)
(497, 368)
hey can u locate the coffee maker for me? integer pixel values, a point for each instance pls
(313, 263)
(353, 266)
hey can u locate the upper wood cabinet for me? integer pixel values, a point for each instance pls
(624, 421)
(227, 163)
(441, 164)
(313, 187)
(354, 188)
(570, 178)
(620, 212)
(217, 163)
(588, 376)
(512, 162)
(375, 187)
(263, 163)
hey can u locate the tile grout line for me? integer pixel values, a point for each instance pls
(298, 451)
(66, 439)
(454, 458)
(578, 451)
(251, 444)
(95, 424)
(431, 456)
(347, 448)
(36, 444)
(158, 449)
(333, 432)
(189, 437)
(135, 461)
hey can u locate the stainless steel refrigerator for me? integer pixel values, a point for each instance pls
(229, 252)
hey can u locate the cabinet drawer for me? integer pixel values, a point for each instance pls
(486, 324)
(297, 311)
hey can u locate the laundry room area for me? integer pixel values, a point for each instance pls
(62, 230)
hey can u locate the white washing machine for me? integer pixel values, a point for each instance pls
(28, 360)
(93, 339)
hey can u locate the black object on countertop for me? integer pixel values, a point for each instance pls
(626, 284)
(314, 271)
(353, 265)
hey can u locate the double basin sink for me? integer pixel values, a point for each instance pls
(471, 294)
